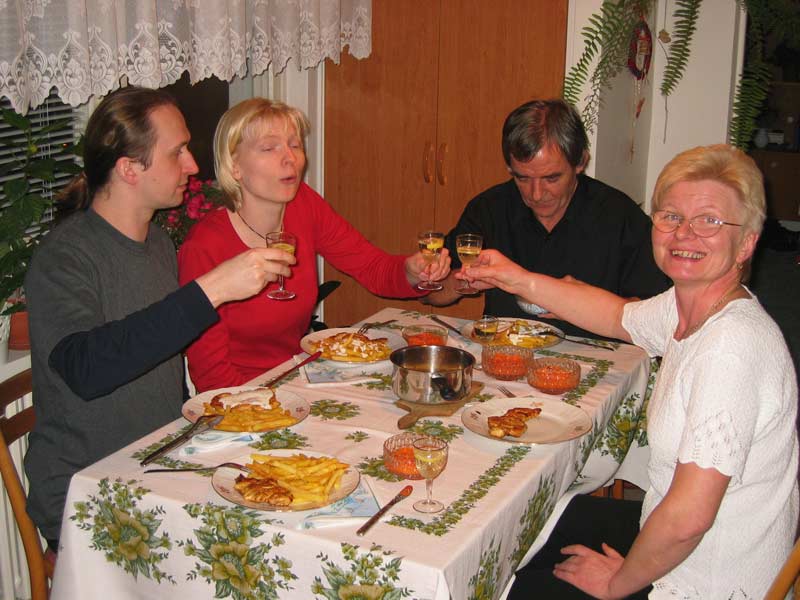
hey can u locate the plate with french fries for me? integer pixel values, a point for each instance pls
(286, 480)
(346, 345)
(248, 409)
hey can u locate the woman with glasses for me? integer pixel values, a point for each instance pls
(720, 515)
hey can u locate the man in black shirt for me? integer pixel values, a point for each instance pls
(552, 219)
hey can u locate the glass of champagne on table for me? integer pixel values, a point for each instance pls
(287, 242)
(430, 245)
(468, 247)
(430, 456)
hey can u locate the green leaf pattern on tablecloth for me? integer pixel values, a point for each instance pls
(539, 509)
(599, 370)
(357, 436)
(280, 439)
(369, 575)
(374, 467)
(331, 409)
(641, 432)
(124, 533)
(381, 383)
(229, 556)
(437, 429)
(587, 446)
(452, 514)
(166, 461)
(619, 434)
(484, 583)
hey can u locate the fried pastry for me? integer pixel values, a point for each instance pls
(257, 489)
(512, 423)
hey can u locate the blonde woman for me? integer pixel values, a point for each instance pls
(259, 155)
(720, 515)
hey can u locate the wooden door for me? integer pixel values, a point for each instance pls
(442, 73)
(380, 116)
(493, 56)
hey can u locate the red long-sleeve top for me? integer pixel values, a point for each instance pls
(257, 334)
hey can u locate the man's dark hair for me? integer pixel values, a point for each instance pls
(538, 123)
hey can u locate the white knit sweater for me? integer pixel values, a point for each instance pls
(725, 398)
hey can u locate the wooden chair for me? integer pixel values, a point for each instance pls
(11, 429)
(786, 576)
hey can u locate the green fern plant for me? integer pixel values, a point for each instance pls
(684, 25)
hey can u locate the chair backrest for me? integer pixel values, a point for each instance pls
(786, 576)
(11, 429)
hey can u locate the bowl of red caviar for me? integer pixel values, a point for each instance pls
(505, 362)
(398, 455)
(425, 335)
(554, 375)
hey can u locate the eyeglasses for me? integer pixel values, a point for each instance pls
(702, 225)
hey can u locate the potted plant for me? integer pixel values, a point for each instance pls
(201, 196)
(26, 202)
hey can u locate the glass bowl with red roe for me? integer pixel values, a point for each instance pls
(398, 455)
(505, 362)
(554, 375)
(425, 335)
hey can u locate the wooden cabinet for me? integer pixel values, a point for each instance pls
(413, 132)
(780, 170)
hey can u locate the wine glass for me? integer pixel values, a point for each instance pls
(430, 456)
(468, 246)
(430, 245)
(287, 242)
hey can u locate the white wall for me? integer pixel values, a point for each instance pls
(696, 113)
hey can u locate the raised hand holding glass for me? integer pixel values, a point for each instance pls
(430, 245)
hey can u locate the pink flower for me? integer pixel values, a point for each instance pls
(195, 185)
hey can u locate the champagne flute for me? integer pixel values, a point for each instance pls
(430, 245)
(468, 246)
(430, 456)
(286, 242)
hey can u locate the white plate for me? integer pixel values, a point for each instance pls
(536, 326)
(393, 340)
(557, 422)
(224, 479)
(298, 408)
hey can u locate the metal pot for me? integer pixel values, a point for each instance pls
(431, 374)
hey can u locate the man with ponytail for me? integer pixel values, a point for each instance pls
(108, 319)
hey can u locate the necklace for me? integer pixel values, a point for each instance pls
(262, 236)
(711, 311)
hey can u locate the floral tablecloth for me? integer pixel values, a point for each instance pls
(127, 534)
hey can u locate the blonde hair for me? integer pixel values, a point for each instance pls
(726, 165)
(245, 121)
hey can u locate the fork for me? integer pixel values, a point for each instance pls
(505, 391)
(233, 465)
(367, 326)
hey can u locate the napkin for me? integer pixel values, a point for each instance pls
(328, 373)
(213, 440)
(353, 510)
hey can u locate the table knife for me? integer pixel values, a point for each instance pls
(291, 370)
(204, 423)
(436, 319)
(404, 493)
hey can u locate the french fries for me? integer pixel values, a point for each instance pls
(309, 480)
(352, 347)
(247, 415)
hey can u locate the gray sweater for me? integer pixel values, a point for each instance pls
(107, 324)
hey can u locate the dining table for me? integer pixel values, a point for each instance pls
(131, 534)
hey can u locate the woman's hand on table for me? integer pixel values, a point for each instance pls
(590, 571)
(418, 270)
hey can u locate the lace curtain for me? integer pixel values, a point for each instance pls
(85, 47)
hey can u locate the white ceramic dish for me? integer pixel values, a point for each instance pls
(298, 408)
(393, 340)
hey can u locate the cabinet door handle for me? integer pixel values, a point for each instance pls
(427, 162)
(440, 156)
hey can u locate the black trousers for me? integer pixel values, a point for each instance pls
(589, 521)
